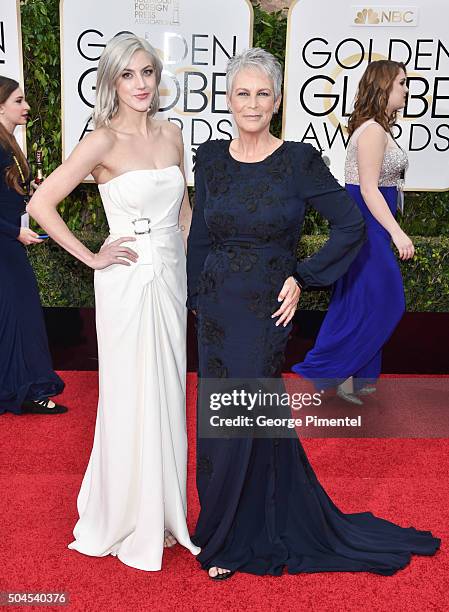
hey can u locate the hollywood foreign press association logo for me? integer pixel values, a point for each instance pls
(384, 16)
(157, 12)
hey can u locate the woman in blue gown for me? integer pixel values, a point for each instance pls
(368, 301)
(27, 379)
(262, 507)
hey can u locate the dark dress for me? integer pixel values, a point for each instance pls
(26, 371)
(262, 507)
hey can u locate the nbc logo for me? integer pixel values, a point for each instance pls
(384, 16)
(366, 16)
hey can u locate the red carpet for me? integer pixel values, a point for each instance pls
(42, 462)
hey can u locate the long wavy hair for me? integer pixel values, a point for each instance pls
(113, 61)
(372, 95)
(10, 144)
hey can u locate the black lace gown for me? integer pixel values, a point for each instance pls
(262, 507)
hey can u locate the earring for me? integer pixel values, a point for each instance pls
(229, 110)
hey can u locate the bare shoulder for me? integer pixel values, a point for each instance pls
(373, 135)
(171, 130)
(169, 126)
(99, 140)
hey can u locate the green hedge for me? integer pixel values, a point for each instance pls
(64, 281)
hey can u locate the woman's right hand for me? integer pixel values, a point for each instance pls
(403, 244)
(27, 236)
(114, 253)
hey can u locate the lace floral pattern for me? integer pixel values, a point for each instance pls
(253, 197)
(218, 177)
(272, 231)
(278, 270)
(208, 284)
(222, 226)
(216, 368)
(204, 465)
(263, 303)
(210, 332)
(241, 259)
(279, 167)
(273, 365)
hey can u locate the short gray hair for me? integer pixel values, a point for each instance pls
(255, 58)
(113, 61)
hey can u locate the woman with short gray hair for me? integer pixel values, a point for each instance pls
(259, 59)
(262, 507)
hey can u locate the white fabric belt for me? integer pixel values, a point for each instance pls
(140, 228)
(146, 245)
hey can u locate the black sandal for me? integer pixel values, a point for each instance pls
(42, 407)
(222, 576)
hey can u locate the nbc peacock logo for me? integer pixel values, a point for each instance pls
(367, 16)
(384, 16)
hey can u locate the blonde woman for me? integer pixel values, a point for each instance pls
(132, 500)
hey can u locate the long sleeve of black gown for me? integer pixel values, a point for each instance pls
(199, 241)
(347, 229)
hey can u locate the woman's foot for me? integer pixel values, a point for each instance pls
(220, 573)
(169, 540)
(368, 390)
(348, 397)
(43, 406)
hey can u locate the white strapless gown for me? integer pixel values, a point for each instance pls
(135, 483)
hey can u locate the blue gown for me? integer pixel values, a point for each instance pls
(262, 507)
(26, 371)
(368, 301)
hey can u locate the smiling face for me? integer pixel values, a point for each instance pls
(398, 93)
(136, 85)
(14, 111)
(251, 100)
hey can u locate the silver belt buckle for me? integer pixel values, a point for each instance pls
(142, 226)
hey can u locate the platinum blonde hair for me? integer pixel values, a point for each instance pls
(255, 58)
(114, 59)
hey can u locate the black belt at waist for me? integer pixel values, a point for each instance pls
(247, 244)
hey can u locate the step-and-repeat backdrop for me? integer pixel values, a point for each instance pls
(329, 44)
(194, 39)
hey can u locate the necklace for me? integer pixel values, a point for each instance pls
(26, 187)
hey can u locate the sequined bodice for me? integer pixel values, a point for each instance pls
(394, 164)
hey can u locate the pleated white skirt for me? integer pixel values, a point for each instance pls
(135, 483)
